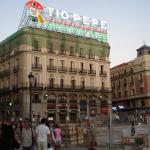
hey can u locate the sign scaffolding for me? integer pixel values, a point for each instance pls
(38, 16)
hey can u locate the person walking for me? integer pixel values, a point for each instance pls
(8, 141)
(18, 131)
(90, 135)
(57, 136)
(42, 135)
(26, 136)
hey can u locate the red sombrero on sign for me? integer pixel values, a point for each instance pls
(34, 3)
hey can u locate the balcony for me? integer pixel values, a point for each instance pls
(37, 49)
(82, 71)
(103, 73)
(82, 55)
(62, 69)
(63, 52)
(51, 51)
(57, 87)
(72, 70)
(37, 66)
(92, 72)
(4, 73)
(15, 68)
(51, 68)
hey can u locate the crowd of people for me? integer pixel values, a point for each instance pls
(21, 135)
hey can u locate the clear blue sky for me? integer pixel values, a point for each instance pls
(128, 21)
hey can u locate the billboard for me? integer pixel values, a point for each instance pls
(37, 15)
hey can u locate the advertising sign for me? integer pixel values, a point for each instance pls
(36, 15)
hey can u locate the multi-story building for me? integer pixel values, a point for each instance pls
(70, 75)
(131, 85)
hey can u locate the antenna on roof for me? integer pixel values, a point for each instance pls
(143, 42)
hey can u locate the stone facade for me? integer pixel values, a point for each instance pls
(70, 75)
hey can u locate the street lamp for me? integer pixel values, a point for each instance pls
(31, 80)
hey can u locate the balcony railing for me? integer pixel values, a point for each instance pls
(38, 49)
(6, 72)
(72, 70)
(92, 72)
(62, 69)
(103, 73)
(77, 88)
(82, 71)
(37, 66)
(51, 51)
(62, 52)
(51, 68)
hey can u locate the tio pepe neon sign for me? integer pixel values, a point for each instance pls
(63, 21)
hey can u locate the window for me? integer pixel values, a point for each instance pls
(132, 92)
(101, 69)
(51, 62)
(36, 60)
(81, 51)
(91, 67)
(36, 45)
(72, 65)
(72, 83)
(103, 85)
(140, 78)
(125, 82)
(132, 80)
(61, 83)
(90, 53)
(82, 66)
(62, 49)
(71, 50)
(142, 103)
(62, 63)
(125, 93)
(82, 84)
(36, 98)
(50, 47)
(51, 82)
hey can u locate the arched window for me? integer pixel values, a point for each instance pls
(82, 83)
(51, 81)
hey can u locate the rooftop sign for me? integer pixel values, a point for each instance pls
(36, 15)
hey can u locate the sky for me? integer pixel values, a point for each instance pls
(128, 21)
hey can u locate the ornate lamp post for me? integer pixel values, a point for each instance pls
(31, 80)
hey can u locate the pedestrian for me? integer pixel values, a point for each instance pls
(90, 135)
(42, 135)
(26, 136)
(132, 129)
(18, 130)
(57, 137)
(8, 141)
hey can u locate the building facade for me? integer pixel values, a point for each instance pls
(70, 75)
(131, 86)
